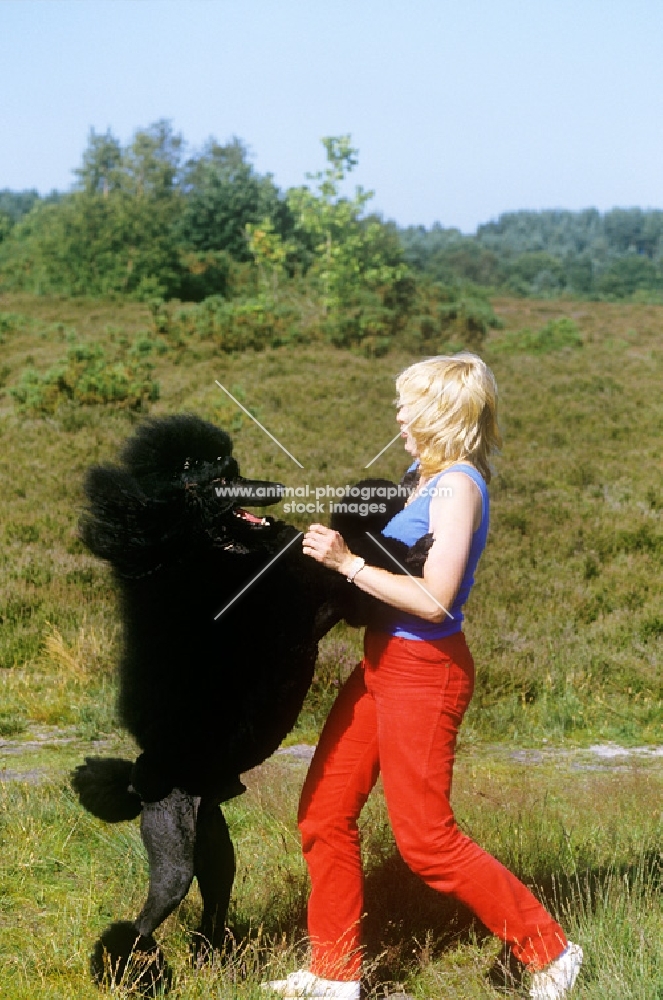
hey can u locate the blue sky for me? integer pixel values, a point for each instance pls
(461, 109)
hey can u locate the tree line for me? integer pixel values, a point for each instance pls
(548, 253)
(143, 219)
(147, 220)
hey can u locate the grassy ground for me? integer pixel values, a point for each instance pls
(586, 837)
(564, 623)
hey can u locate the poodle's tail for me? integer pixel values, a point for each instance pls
(103, 785)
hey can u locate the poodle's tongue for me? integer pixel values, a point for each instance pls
(246, 516)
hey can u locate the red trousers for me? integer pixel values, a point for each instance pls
(398, 714)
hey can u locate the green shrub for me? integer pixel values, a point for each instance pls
(250, 323)
(20, 532)
(87, 377)
(11, 323)
(11, 724)
(652, 628)
(641, 539)
(554, 336)
(372, 320)
(447, 318)
(364, 322)
(467, 319)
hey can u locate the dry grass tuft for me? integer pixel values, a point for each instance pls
(90, 653)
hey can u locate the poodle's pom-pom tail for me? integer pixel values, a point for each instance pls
(123, 957)
(103, 785)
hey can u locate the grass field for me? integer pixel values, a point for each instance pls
(565, 623)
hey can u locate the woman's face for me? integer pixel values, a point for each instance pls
(402, 416)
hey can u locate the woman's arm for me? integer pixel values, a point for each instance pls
(453, 520)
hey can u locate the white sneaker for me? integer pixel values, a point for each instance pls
(303, 984)
(555, 981)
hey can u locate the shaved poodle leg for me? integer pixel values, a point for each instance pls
(168, 829)
(214, 862)
(125, 949)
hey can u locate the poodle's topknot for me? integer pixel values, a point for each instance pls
(174, 445)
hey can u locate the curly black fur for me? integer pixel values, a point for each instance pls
(210, 682)
(205, 697)
(103, 786)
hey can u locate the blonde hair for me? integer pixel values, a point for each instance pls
(452, 411)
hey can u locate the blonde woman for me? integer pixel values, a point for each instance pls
(399, 713)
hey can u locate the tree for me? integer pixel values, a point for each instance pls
(15, 204)
(357, 261)
(89, 244)
(100, 171)
(464, 260)
(150, 164)
(5, 226)
(349, 251)
(269, 252)
(116, 232)
(631, 229)
(629, 274)
(222, 196)
(535, 272)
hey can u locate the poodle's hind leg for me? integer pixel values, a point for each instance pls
(214, 863)
(127, 952)
(168, 829)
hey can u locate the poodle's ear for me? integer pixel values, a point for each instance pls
(123, 525)
(114, 500)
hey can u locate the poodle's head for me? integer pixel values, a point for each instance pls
(169, 451)
(184, 453)
(178, 486)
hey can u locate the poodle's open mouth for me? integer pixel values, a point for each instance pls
(244, 515)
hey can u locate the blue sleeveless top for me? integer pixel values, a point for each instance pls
(409, 526)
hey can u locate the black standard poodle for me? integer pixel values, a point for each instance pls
(222, 614)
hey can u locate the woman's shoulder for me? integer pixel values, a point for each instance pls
(462, 485)
(455, 482)
(461, 471)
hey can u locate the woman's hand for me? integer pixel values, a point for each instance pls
(327, 547)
